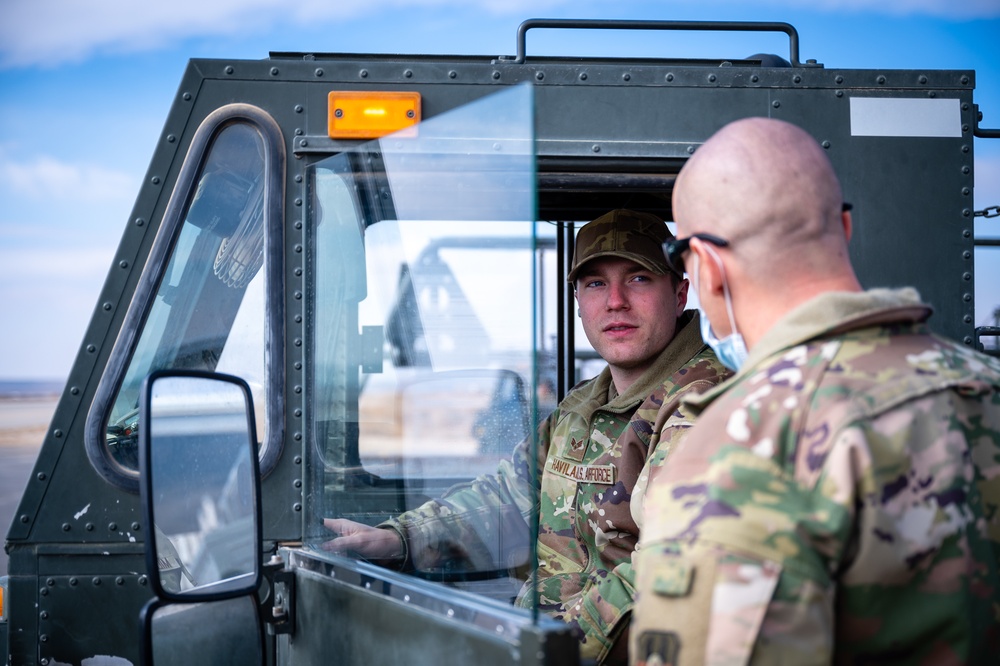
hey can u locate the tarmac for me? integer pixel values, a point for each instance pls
(23, 422)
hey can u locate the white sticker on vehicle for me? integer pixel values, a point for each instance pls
(921, 117)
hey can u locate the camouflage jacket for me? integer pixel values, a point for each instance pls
(837, 501)
(595, 453)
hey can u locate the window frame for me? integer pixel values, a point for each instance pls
(153, 272)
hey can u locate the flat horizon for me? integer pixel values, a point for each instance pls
(30, 388)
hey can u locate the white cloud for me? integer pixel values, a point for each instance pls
(58, 267)
(49, 32)
(945, 9)
(49, 294)
(45, 31)
(59, 229)
(51, 179)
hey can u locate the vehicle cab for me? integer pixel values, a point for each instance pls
(375, 247)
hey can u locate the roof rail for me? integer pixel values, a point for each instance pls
(614, 24)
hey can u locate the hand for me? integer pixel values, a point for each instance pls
(372, 543)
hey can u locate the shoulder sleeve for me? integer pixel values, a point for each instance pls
(674, 417)
(727, 535)
(603, 607)
(721, 552)
(482, 524)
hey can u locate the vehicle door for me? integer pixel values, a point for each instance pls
(423, 309)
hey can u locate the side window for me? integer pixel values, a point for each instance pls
(457, 304)
(427, 344)
(207, 306)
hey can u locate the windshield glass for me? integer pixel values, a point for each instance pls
(429, 371)
(208, 313)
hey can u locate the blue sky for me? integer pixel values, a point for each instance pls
(86, 86)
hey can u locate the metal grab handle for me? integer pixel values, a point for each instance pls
(601, 24)
(982, 132)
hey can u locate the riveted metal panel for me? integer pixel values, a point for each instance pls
(910, 194)
(396, 620)
(84, 615)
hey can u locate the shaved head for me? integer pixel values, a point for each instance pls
(769, 188)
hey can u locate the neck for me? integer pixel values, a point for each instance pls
(771, 303)
(623, 378)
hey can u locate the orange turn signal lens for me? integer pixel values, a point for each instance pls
(369, 115)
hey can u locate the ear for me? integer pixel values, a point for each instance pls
(682, 296)
(709, 277)
(848, 222)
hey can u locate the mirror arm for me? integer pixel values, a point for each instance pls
(278, 609)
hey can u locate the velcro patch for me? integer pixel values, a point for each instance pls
(673, 578)
(659, 648)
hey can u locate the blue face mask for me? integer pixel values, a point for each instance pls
(731, 350)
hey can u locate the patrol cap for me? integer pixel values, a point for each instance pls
(623, 233)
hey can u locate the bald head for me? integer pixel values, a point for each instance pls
(769, 188)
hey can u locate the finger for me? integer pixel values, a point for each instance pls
(332, 546)
(343, 544)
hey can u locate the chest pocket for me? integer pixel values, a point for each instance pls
(558, 493)
(580, 455)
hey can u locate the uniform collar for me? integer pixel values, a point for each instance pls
(828, 314)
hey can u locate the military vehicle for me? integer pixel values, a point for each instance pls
(341, 291)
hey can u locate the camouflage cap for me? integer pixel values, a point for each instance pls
(623, 233)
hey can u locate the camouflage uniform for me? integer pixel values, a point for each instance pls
(595, 453)
(837, 501)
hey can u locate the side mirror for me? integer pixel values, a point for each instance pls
(199, 484)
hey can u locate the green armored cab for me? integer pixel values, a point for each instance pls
(342, 291)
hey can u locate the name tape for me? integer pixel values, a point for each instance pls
(601, 474)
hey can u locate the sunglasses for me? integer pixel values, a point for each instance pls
(673, 250)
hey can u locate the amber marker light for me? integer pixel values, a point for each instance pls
(369, 115)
